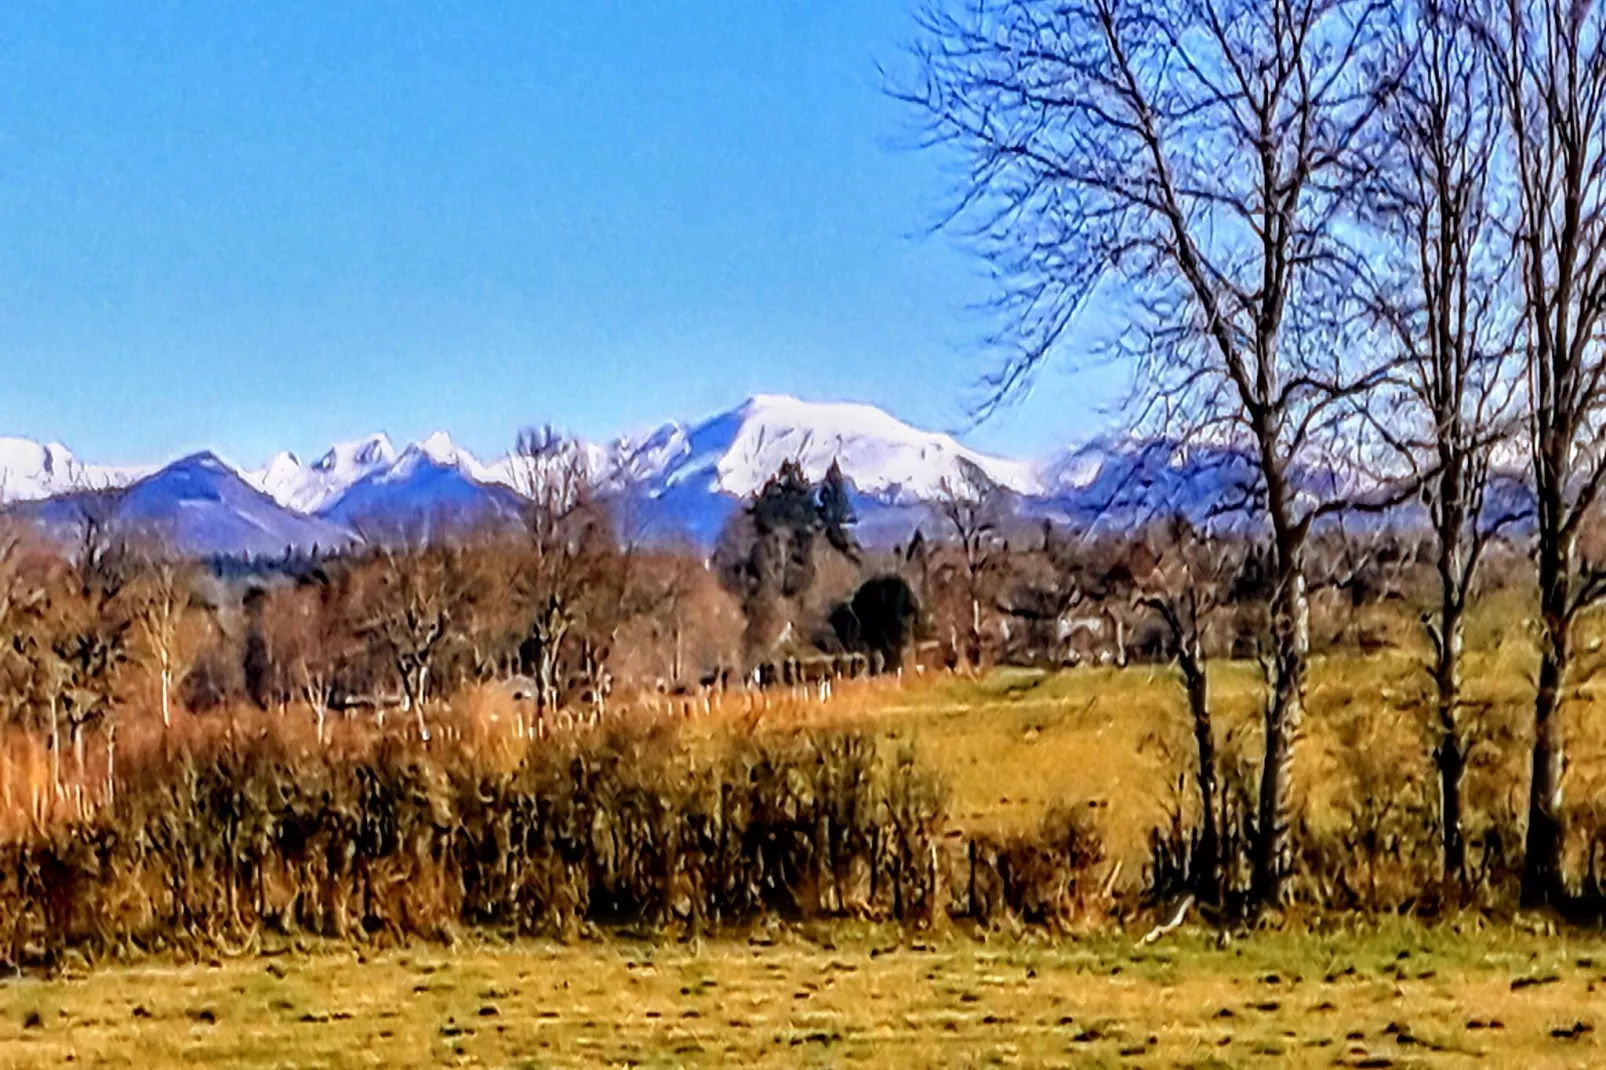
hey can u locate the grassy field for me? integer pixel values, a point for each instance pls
(1009, 746)
(1015, 743)
(1398, 996)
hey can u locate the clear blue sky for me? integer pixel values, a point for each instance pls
(277, 225)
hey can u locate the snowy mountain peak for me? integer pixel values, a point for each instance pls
(366, 453)
(692, 474)
(283, 461)
(33, 470)
(417, 455)
(881, 454)
(30, 470)
(440, 448)
(680, 480)
(200, 461)
(640, 458)
(203, 505)
(431, 487)
(309, 488)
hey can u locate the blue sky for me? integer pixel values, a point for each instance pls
(262, 226)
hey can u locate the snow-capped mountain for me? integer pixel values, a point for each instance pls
(30, 470)
(679, 481)
(735, 452)
(309, 488)
(198, 505)
(442, 451)
(1116, 483)
(686, 480)
(432, 486)
(1123, 481)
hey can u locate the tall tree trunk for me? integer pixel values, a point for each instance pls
(973, 640)
(546, 690)
(1450, 753)
(1284, 713)
(1207, 877)
(405, 676)
(1541, 864)
(1542, 848)
(675, 664)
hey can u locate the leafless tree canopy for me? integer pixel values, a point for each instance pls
(1191, 159)
(1442, 289)
(1199, 157)
(1551, 63)
(974, 510)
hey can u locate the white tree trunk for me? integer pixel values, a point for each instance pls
(167, 686)
(421, 688)
(111, 766)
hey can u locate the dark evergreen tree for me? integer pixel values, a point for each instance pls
(836, 513)
(886, 611)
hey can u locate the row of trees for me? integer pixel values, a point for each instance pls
(560, 601)
(1351, 236)
(115, 626)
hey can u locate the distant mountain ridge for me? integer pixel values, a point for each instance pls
(680, 481)
(30, 470)
(199, 505)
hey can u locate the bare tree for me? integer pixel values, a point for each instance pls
(89, 644)
(1551, 61)
(419, 596)
(159, 599)
(1185, 576)
(1190, 156)
(22, 593)
(1443, 297)
(672, 581)
(310, 635)
(973, 507)
(564, 556)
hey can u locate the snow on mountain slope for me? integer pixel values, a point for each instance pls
(425, 489)
(1119, 482)
(440, 448)
(200, 505)
(735, 452)
(674, 482)
(1122, 481)
(309, 488)
(726, 457)
(319, 486)
(30, 470)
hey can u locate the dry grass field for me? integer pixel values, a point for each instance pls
(1015, 743)
(1396, 996)
(1009, 746)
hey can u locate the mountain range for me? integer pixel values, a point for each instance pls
(680, 481)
